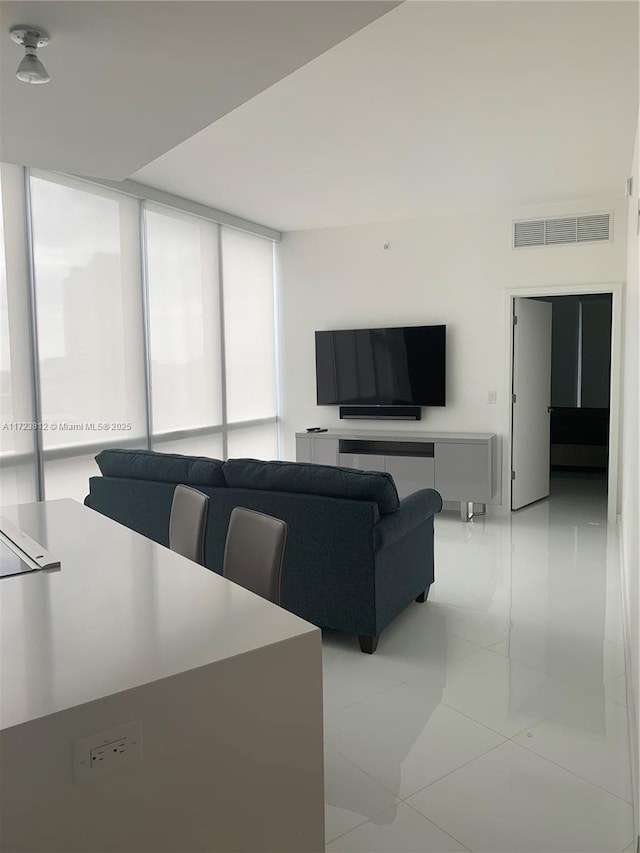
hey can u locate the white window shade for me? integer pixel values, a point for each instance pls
(258, 442)
(69, 478)
(204, 445)
(247, 263)
(184, 320)
(103, 351)
(89, 313)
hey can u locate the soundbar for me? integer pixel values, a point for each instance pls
(390, 413)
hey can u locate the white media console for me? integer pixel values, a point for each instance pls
(463, 467)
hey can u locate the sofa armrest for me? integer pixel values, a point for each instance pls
(414, 510)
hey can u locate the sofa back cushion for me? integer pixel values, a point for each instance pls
(163, 467)
(322, 480)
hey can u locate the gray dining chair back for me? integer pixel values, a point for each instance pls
(254, 552)
(188, 522)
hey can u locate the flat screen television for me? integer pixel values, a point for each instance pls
(403, 366)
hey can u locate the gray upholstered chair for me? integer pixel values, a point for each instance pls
(254, 552)
(187, 523)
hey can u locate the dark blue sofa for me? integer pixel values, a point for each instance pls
(356, 555)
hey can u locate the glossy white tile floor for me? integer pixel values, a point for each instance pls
(492, 718)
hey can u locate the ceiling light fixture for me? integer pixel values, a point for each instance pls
(31, 70)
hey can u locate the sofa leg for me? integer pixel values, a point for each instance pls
(424, 595)
(368, 644)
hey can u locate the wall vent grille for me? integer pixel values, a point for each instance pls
(562, 230)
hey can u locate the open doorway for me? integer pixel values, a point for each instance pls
(580, 395)
(563, 423)
(580, 389)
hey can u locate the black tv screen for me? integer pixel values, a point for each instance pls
(402, 366)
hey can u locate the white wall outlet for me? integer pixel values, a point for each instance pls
(106, 751)
(491, 397)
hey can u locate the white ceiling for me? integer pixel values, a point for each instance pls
(130, 80)
(436, 107)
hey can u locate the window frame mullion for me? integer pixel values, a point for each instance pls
(36, 387)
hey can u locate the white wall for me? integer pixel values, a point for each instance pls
(630, 471)
(452, 270)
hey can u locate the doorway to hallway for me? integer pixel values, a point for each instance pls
(564, 402)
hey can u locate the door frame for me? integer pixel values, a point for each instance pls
(616, 290)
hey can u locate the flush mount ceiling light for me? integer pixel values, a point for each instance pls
(31, 70)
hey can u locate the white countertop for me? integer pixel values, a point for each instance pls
(122, 611)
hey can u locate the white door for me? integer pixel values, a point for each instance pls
(532, 401)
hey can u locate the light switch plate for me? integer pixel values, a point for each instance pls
(106, 751)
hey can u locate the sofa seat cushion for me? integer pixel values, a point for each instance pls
(322, 480)
(161, 467)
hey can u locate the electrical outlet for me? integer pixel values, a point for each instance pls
(112, 752)
(491, 397)
(106, 751)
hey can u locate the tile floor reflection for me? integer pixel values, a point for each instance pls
(492, 718)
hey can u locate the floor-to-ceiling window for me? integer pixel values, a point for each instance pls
(129, 324)
(184, 333)
(249, 314)
(89, 327)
